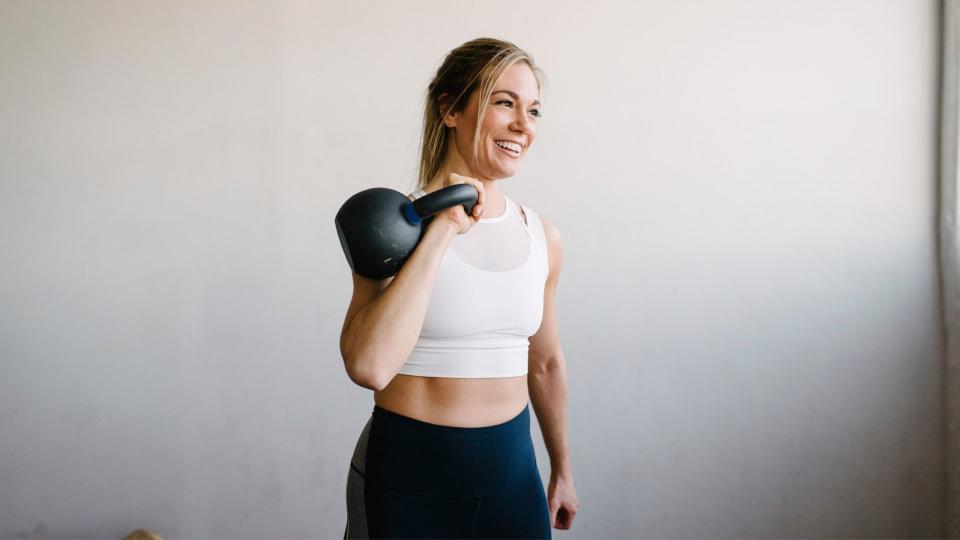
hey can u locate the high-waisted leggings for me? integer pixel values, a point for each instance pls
(414, 479)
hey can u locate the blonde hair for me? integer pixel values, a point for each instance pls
(475, 65)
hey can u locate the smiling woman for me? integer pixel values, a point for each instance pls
(448, 342)
(506, 83)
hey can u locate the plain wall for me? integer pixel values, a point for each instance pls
(749, 301)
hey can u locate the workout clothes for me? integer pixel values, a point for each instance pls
(486, 302)
(414, 479)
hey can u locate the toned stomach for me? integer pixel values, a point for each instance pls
(454, 401)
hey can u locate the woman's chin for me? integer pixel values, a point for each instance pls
(504, 170)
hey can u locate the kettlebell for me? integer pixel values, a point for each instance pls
(380, 227)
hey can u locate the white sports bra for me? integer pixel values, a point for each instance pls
(486, 301)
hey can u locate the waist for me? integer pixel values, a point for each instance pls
(419, 457)
(455, 401)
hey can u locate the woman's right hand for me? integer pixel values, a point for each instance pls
(456, 214)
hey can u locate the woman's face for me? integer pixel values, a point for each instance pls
(509, 124)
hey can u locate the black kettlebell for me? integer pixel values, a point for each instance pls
(379, 227)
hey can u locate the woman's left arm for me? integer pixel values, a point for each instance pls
(547, 384)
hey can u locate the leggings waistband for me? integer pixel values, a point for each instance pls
(522, 416)
(418, 457)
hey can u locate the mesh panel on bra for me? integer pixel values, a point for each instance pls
(497, 244)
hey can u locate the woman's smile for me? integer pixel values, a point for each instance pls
(512, 149)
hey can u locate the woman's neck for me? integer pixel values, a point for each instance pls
(494, 203)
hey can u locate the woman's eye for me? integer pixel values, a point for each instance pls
(535, 112)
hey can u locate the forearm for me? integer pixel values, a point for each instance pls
(548, 394)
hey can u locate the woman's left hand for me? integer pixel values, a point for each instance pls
(563, 501)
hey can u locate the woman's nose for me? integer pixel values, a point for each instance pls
(522, 123)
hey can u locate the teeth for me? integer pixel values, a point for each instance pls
(512, 146)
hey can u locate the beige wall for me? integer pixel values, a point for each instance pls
(749, 304)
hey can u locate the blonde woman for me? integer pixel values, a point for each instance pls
(465, 335)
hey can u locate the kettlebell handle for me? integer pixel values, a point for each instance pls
(438, 201)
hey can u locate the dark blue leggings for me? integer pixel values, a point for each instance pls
(414, 479)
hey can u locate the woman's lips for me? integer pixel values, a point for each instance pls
(511, 153)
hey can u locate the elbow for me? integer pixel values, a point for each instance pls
(368, 381)
(541, 365)
(362, 375)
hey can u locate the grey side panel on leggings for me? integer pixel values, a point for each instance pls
(356, 510)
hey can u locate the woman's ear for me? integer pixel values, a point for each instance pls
(449, 117)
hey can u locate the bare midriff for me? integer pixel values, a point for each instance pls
(457, 402)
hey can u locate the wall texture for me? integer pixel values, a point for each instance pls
(749, 304)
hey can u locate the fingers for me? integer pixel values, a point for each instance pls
(482, 197)
(455, 178)
(477, 209)
(562, 516)
(564, 519)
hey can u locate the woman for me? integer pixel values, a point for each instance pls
(448, 343)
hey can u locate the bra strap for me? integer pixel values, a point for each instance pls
(544, 257)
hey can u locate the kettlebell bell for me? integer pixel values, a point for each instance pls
(380, 227)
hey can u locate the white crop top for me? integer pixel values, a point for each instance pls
(486, 301)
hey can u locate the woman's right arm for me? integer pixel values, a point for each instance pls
(385, 316)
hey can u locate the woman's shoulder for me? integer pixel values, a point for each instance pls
(551, 235)
(549, 229)
(554, 248)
